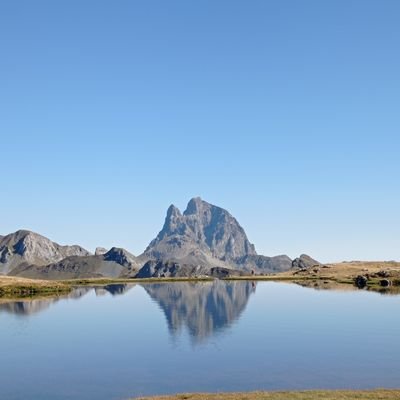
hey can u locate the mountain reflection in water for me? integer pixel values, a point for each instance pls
(25, 307)
(203, 308)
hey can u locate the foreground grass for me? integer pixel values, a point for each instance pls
(22, 287)
(304, 395)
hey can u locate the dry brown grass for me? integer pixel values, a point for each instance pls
(15, 286)
(344, 272)
(303, 395)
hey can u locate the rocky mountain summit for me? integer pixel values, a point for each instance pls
(204, 228)
(28, 248)
(209, 236)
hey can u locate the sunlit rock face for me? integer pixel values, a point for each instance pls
(203, 234)
(27, 248)
(204, 309)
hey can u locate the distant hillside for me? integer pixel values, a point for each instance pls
(28, 248)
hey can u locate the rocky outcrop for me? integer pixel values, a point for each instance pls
(171, 269)
(100, 251)
(361, 281)
(221, 272)
(305, 262)
(263, 264)
(28, 248)
(120, 256)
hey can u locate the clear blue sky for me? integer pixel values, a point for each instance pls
(286, 113)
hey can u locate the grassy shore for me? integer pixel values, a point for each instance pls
(304, 395)
(16, 287)
(22, 287)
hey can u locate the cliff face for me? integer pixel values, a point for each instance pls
(210, 236)
(204, 231)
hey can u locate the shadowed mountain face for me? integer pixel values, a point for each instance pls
(28, 248)
(202, 308)
(209, 236)
(115, 263)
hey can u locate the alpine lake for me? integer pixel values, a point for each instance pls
(128, 340)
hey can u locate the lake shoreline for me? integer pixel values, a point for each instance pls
(378, 394)
(329, 276)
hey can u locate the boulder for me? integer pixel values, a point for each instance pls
(361, 281)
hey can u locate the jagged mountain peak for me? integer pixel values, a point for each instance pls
(195, 206)
(204, 232)
(173, 211)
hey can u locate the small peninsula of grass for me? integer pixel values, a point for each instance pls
(303, 395)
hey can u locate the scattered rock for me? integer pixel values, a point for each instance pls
(383, 274)
(361, 281)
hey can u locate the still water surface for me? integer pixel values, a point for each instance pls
(124, 341)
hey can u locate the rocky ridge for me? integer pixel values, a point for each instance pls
(204, 240)
(28, 248)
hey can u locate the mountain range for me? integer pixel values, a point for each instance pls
(204, 240)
